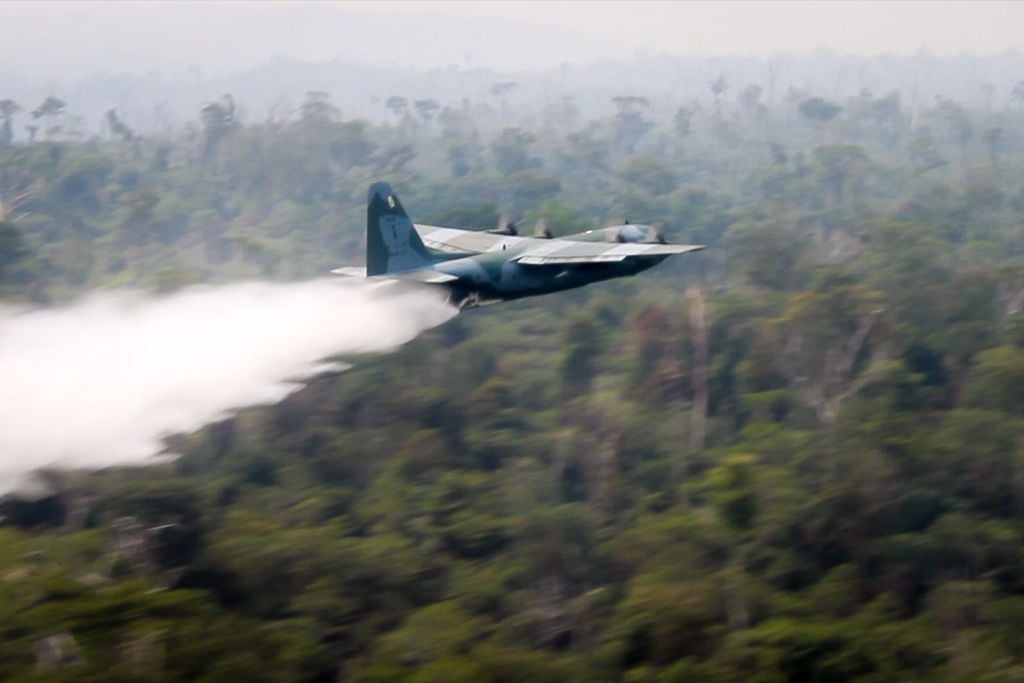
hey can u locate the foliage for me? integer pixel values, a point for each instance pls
(519, 495)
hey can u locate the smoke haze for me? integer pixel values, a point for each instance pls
(101, 382)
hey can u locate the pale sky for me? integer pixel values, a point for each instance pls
(67, 40)
(761, 26)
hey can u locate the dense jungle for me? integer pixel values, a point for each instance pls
(795, 456)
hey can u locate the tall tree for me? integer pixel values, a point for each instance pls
(426, 109)
(317, 108)
(219, 121)
(630, 124)
(118, 127)
(501, 91)
(512, 150)
(819, 111)
(50, 109)
(8, 108)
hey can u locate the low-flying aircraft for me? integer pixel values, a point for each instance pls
(483, 267)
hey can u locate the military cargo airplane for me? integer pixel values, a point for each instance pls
(483, 267)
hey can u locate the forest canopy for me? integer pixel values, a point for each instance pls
(795, 456)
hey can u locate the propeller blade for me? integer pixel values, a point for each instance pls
(505, 227)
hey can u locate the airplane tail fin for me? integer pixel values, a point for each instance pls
(392, 243)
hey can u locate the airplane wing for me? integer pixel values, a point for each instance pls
(563, 251)
(455, 241)
(542, 251)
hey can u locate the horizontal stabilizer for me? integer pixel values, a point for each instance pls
(430, 277)
(353, 271)
(426, 276)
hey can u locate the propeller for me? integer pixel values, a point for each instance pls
(505, 227)
(658, 233)
(541, 229)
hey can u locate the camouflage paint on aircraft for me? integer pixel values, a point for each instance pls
(482, 267)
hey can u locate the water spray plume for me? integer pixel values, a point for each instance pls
(101, 382)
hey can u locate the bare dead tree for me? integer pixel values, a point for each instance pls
(136, 543)
(8, 206)
(836, 383)
(1010, 294)
(602, 464)
(699, 412)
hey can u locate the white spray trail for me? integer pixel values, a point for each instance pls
(99, 383)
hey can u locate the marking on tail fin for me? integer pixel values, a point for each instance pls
(392, 245)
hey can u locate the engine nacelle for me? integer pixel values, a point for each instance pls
(644, 234)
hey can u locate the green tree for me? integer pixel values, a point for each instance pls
(586, 151)
(996, 380)
(317, 108)
(584, 341)
(50, 109)
(397, 105)
(630, 124)
(750, 100)
(819, 111)
(219, 122)
(117, 126)
(840, 166)
(426, 109)
(511, 151)
(650, 173)
(683, 121)
(14, 253)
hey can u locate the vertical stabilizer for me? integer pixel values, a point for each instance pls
(392, 244)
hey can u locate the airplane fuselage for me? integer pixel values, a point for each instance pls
(495, 276)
